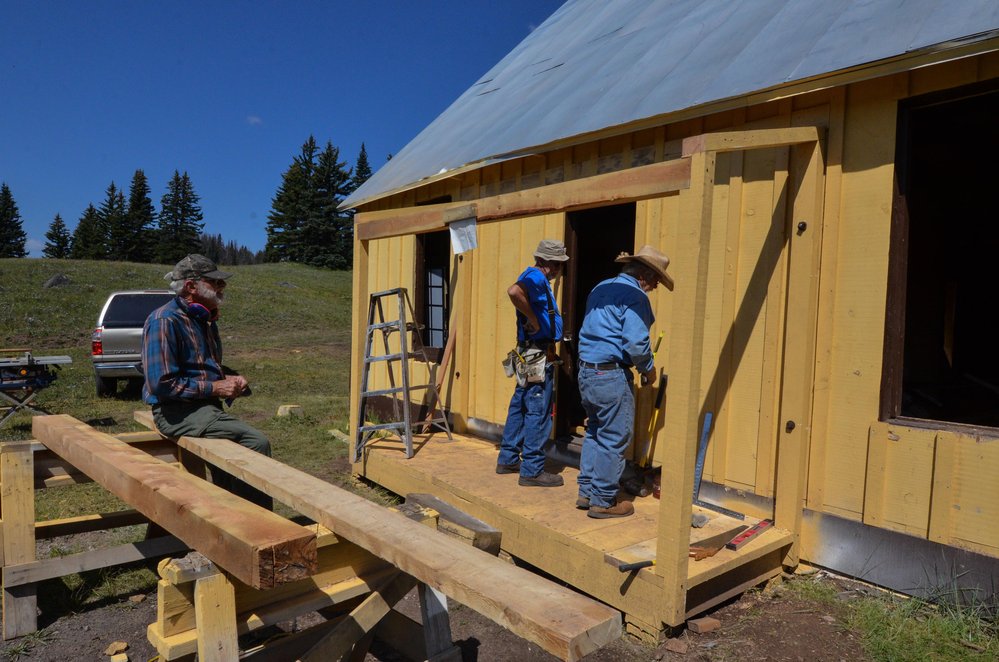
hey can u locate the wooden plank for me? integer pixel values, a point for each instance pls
(36, 571)
(17, 503)
(359, 324)
(686, 407)
(361, 620)
(460, 524)
(942, 501)
(436, 624)
(171, 647)
(638, 183)
(730, 141)
(562, 622)
(86, 523)
(260, 548)
(805, 236)
(215, 607)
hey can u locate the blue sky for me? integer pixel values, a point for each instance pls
(227, 91)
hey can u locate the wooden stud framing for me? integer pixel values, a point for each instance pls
(215, 610)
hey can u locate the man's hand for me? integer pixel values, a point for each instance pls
(648, 377)
(230, 387)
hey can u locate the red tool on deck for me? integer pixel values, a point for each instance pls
(749, 534)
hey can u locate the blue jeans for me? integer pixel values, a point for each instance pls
(610, 408)
(528, 425)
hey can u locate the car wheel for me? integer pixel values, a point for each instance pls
(105, 386)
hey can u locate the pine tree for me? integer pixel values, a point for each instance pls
(304, 224)
(111, 215)
(180, 220)
(139, 218)
(362, 171)
(88, 239)
(291, 207)
(57, 240)
(12, 237)
(329, 235)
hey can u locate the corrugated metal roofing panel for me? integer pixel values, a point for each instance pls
(600, 63)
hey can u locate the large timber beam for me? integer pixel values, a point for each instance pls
(564, 623)
(639, 183)
(258, 547)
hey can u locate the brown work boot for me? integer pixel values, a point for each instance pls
(619, 509)
(583, 503)
(508, 468)
(543, 479)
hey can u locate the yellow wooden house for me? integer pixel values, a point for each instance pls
(820, 173)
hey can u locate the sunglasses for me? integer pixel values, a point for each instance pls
(214, 282)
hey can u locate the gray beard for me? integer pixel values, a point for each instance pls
(212, 298)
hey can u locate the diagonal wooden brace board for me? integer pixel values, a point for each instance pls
(562, 622)
(256, 546)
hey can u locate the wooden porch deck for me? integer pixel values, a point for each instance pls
(543, 527)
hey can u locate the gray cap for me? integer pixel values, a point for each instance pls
(196, 266)
(551, 250)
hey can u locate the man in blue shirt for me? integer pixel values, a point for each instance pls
(182, 360)
(614, 338)
(539, 327)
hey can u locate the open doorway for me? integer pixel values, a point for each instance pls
(944, 247)
(593, 238)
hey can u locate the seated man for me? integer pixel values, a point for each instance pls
(182, 361)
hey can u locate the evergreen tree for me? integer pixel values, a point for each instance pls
(12, 237)
(111, 221)
(213, 248)
(291, 206)
(304, 224)
(57, 239)
(88, 239)
(180, 220)
(329, 236)
(362, 171)
(139, 218)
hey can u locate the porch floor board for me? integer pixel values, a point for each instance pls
(543, 527)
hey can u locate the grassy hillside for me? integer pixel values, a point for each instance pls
(285, 327)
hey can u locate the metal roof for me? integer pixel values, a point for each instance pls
(601, 63)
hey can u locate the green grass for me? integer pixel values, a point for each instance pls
(900, 629)
(285, 327)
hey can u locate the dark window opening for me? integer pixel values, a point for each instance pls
(433, 275)
(942, 312)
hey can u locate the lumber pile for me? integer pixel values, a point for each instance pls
(256, 546)
(562, 622)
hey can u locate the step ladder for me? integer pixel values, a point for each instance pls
(402, 414)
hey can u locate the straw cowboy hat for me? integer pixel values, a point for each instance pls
(653, 259)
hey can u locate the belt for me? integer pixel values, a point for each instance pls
(613, 365)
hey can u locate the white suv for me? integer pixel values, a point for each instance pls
(116, 344)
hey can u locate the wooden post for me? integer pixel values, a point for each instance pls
(683, 415)
(437, 626)
(795, 426)
(359, 317)
(17, 505)
(215, 614)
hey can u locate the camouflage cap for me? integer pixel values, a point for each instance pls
(196, 266)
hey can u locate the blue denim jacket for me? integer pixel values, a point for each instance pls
(616, 325)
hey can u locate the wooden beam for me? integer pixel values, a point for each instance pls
(37, 571)
(215, 610)
(17, 503)
(731, 141)
(638, 183)
(559, 620)
(258, 547)
(361, 620)
(86, 523)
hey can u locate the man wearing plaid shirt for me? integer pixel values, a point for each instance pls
(182, 361)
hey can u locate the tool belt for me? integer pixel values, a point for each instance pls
(529, 361)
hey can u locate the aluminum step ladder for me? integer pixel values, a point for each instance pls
(401, 410)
